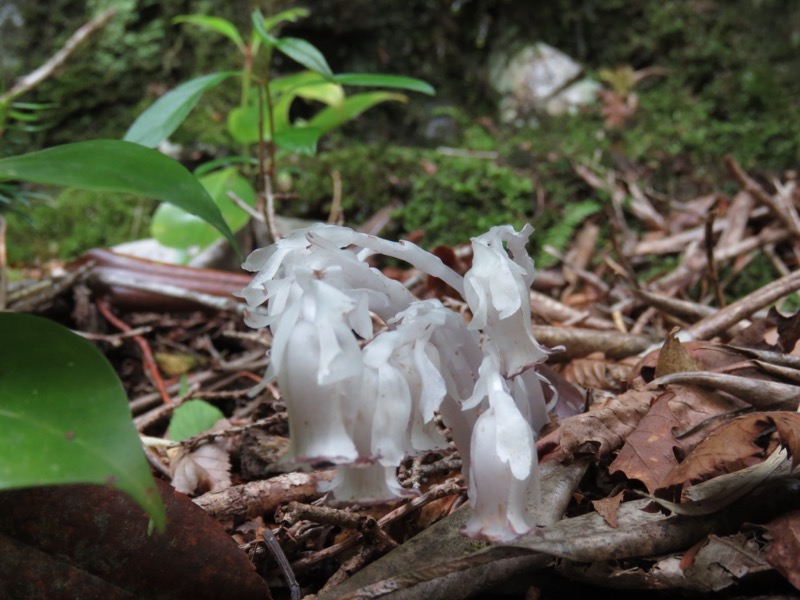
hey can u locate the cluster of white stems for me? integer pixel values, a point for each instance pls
(363, 366)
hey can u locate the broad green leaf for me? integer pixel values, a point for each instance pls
(64, 415)
(166, 114)
(300, 140)
(193, 417)
(176, 228)
(388, 81)
(287, 16)
(217, 24)
(332, 117)
(295, 48)
(118, 166)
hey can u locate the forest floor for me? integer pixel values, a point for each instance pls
(666, 468)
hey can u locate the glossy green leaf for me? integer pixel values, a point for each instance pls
(331, 117)
(387, 81)
(221, 26)
(295, 48)
(64, 415)
(176, 228)
(193, 417)
(118, 166)
(166, 114)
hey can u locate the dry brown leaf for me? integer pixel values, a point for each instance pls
(608, 507)
(606, 425)
(598, 372)
(784, 551)
(708, 356)
(649, 453)
(205, 469)
(728, 448)
(673, 357)
(788, 329)
(788, 425)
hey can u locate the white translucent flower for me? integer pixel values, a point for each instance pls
(503, 466)
(316, 411)
(499, 498)
(496, 289)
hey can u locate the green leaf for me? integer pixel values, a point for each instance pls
(166, 114)
(193, 417)
(332, 116)
(287, 16)
(306, 54)
(300, 140)
(176, 228)
(388, 81)
(118, 166)
(243, 124)
(295, 48)
(217, 24)
(23, 116)
(64, 415)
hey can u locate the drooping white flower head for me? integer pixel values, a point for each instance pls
(496, 290)
(499, 498)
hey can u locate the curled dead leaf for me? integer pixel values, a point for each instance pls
(205, 469)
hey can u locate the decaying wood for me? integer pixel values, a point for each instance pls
(262, 497)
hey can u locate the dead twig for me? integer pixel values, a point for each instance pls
(262, 497)
(336, 216)
(713, 271)
(30, 81)
(326, 515)
(729, 316)
(785, 212)
(283, 562)
(148, 361)
(550, 309)
(763, 395)
(582, 342)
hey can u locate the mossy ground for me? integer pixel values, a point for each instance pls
(729, 88)
(74, 221)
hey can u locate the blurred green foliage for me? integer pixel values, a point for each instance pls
(73, 222)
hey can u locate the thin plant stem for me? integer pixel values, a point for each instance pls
(3, 263)
(267, 174)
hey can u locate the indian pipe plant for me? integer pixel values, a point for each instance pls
(365, 406)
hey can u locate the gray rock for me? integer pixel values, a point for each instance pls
(539, 79)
